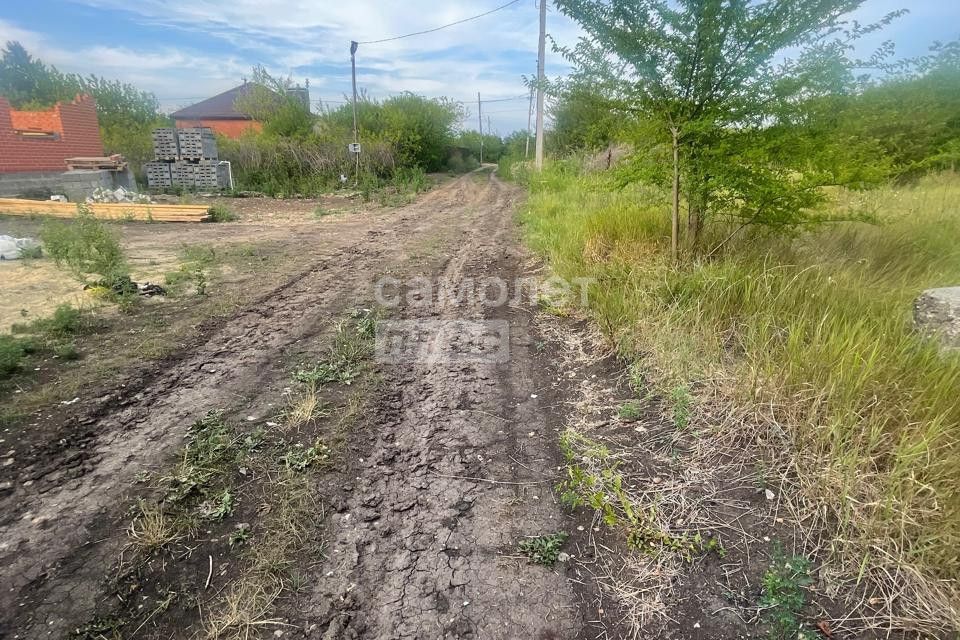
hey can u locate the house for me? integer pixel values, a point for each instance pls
(41, 141)
(219, 113)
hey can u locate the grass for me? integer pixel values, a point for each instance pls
(543, 549)
(322, 212)
(244, 611)
(12, 352)
(152, 530)
(347, 359)
(784, 596)
(812, 331)
(304, 407)
(53, 336)
(201, 264)
(222, 213)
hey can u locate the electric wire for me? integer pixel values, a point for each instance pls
(446, 26)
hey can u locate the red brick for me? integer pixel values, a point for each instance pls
(75, 122)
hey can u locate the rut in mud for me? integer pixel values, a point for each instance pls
(454, 467)
(422, 547)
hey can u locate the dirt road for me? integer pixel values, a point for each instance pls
(451, 465)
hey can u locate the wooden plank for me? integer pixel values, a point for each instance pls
(108, 211)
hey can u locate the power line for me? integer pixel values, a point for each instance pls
(452, 24)
(523, 97)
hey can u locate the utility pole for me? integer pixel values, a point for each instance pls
(526, 151)
(541, 54)
(480, 120)
(353, 73)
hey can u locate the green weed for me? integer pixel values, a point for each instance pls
(31, 253)
(681, 402)
(298, 457)
(322, 212)
(66, 321)
(222, 213)
(12, 352)
(630, 411)
(239, 536)
(53, 335)
(206, 459)
(352, 346)
(84, 246)
(218, 506)
(785, 595)
(543, 549)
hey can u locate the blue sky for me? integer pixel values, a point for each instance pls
(187, 50)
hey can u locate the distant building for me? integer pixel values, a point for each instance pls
(220, 112)
(32, 141)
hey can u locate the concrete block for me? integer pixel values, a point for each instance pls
(937, 312)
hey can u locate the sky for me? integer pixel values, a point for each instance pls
(187, 50)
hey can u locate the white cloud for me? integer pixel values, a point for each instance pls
(293, 36)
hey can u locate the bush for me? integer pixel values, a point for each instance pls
(65, 321)
(11, 353)
(285, 166)
(410, 180)
(222, 213)
(52, 335)
(84, 246)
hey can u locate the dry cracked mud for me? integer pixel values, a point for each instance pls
(450, 467)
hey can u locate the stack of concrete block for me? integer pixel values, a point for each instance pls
(186, 158)
(165, 144)
(197, 143)
(158, 174)
(184, 174)
(207, 174)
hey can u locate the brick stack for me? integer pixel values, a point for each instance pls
(186, 158)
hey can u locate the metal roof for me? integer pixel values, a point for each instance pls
(219, 107)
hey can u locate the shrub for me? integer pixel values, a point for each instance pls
(222, 213)
(65, 321)
(11, 353)
(410, 180)
(84, 246)
(284, 166)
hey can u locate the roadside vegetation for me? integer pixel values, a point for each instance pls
(763, 238)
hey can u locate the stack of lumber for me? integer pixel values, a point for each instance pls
(114, 162)
(107, 211)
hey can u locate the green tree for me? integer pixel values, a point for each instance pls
(26, 81)
(913, 117)
(125, 113)
(708, 73)
(420, 130)
(270, 101)
(584, 118)
(492, 145)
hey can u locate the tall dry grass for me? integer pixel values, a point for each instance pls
(816, 326)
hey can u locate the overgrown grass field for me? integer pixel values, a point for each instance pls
(816, 327)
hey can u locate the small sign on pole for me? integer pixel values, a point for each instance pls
(354, 147)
